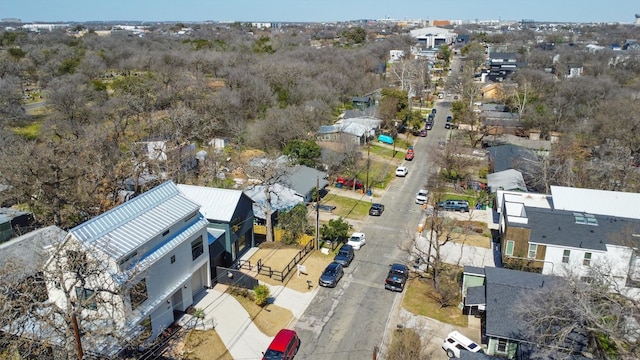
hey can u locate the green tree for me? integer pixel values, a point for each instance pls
(303, 152)
(356, 35)
(294, 222)
(335, 230)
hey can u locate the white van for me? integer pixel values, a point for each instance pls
(455, 342)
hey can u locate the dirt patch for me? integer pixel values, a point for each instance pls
(277, 257)
(201, 345)
(269, 319)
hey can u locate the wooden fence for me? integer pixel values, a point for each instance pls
(292, 265)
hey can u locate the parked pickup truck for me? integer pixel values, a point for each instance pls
(397, 277)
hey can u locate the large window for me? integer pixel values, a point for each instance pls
(197, 248)
(509, 249)
(533, 249)
(565, 256)
(587, 259)
(86, 298)
(138, 293)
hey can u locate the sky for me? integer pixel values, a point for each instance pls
(318, 10)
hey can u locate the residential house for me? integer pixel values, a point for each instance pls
(358, 130)
(170, 156)
(501, 65)
(574, 232)
(362, 102)
(304, 181)
(509, 179)
(495, 295)
(12, 222)
(230, 211)
(282, 199)
(154, 243)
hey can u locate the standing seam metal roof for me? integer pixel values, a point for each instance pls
(126, 227)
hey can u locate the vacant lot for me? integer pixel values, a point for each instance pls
(277, 257)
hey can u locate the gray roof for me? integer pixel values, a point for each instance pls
(558, 227)
(475, 296)
(215, 203)
(510, 180)
(28, 251)
(603, 202)
(473, 270)
(510, 156)
(126, 227)
(504, 289)
(302, 179)
(282, 198)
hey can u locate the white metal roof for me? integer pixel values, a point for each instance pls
(126, 227)
(215, 203)
(600, 202)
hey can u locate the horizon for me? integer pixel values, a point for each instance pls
(309, 11)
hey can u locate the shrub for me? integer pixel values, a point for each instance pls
(261, 294)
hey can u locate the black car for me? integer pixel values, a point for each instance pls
(376, 209)
(449, 118)
(428, 125)
(331, 275)
(397, 277)
(447, 125)
(433, 111)
(344, 255)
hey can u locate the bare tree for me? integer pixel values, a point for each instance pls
(267, 172)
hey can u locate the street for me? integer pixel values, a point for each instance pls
(349, 321)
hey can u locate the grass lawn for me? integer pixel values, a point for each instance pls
(388, 153)
(380, 173)
(418, 302)
(205, 345)
(269, 319)
(348, 207)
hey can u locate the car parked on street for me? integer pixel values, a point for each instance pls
(433, 111)
(423, 133)
(428, 125)
(357, 240)
(331, 275)
(409, 155)
(422, 196)
(376, 209)
(402, 171)
(345, 255)
(397, 277)
(284, 346)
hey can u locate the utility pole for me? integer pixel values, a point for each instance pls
(318, 212)
(368, 164)
(76, 335)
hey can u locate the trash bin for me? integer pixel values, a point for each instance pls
(369, 192)
(478, 206)
(339, 185)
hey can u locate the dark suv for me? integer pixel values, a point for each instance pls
(454, 205)
(344, 255)
(397, 277)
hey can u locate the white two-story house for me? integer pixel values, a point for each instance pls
(132, 268)
(574, 232)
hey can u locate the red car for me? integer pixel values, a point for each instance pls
(283, 347)
(409, 155)
(348, 183)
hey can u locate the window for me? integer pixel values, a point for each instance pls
(86, 298)
(165, 233)
(533, 249)
(509, 250)
(587, 259)
(565, 256)
(501, 347)
(138, 293)
(173, 259)
(197, 248)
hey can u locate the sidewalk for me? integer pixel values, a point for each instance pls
(232, 322)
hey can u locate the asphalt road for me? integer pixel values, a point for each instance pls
(349, 321)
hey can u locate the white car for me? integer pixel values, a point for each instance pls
(422, 196)
(456, 342)
(402, 171)
(357, 240)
